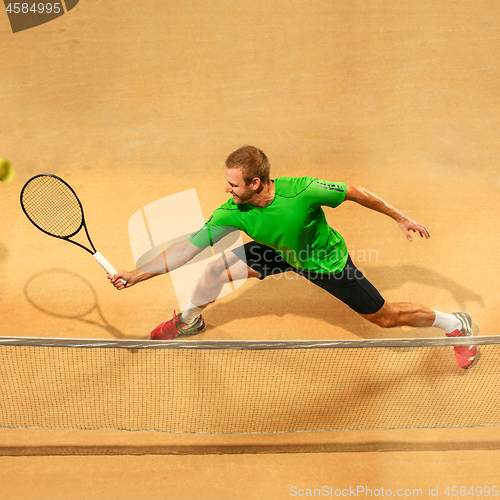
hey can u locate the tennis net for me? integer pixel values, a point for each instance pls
(246, 386)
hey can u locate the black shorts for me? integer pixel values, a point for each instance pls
(350, 286)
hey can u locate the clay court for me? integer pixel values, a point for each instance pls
(133, 102)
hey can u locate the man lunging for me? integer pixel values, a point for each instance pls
(285, 219)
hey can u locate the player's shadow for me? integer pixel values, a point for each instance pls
(67, 295)
(292, 294)
(388, 277)
(4, 252)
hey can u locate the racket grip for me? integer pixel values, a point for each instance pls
(105, 264)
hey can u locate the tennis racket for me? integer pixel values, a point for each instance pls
(53, 207)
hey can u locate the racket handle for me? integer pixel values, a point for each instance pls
(105, 264)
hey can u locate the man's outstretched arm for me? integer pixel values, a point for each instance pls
(172, 258)
(370, 200)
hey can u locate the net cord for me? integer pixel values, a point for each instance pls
(247, 344)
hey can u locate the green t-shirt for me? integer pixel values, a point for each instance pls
(294, 224)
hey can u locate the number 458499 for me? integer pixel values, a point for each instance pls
(41, 8)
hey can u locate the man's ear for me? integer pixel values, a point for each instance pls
(256, 183)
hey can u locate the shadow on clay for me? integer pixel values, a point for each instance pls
(303, 299)
(4, 252)
(64, 294)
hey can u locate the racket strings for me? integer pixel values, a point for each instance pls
(52, 206)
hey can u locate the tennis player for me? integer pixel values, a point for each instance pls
(285, 219)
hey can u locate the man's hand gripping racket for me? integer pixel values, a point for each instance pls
(53, 207)
(123, 279)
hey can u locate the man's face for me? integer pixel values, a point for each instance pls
(237, 187)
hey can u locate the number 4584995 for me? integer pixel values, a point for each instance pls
(41, 8)
(462, 491)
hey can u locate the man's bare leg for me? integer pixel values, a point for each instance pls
(402, 314)
(228, 267)
(218, 272)
(406, 314)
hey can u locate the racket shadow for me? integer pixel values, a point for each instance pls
(4, 252)
(64, 294)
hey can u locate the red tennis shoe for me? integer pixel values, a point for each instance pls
(174, 328)
(464, 354)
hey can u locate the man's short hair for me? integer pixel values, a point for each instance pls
(252, 162)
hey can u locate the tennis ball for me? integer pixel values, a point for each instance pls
(6, 170)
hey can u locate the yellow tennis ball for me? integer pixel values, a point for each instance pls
(6, 170)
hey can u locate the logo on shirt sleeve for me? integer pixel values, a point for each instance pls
(330, 186)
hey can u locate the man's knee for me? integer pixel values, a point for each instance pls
(216, 269)
(385, 318)
(386, 322)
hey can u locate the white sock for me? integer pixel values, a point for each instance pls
(448, 322)
(190, 314)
